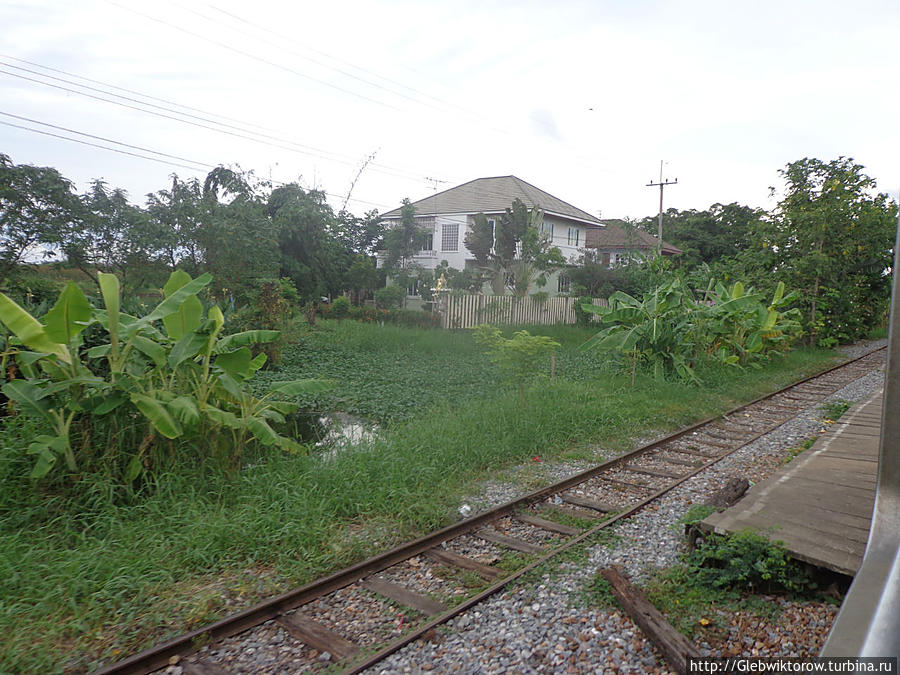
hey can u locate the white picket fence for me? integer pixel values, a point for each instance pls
(466, 311)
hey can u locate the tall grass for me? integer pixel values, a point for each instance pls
(88, 579)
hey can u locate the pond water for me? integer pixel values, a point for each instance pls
(342, 431)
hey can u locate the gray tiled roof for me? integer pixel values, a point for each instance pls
(614, 235)
(492, 195)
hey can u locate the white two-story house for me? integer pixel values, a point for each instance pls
(447, 215)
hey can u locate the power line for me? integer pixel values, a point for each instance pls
(134, 154)
(289, 39)
(96, 145)
(230, 48)
(106, 140)
(125, 89)
(299, 147)
(263, 29)
(187, 121)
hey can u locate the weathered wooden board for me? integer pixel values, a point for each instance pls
(403, 595)
(317, 636)
(675, 647)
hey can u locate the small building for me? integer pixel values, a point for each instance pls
(447, 215)
(618, 242)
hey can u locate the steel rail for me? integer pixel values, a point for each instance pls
(159, 656)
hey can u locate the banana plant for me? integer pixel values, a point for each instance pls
(172, 368)
(670, 332)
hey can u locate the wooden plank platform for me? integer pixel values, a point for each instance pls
(819, 505)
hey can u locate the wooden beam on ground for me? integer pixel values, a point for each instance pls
(201, 668)
(317, 636)
(450, 558)
(675, 647)
(514, 543)
(660, 473)
(586, 503)
(548, 525)
(403, 595)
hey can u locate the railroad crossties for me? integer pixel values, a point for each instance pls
(503, 590)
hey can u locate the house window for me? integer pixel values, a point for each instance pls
(450, 237)
(574, 236)
(493, 224)
(428, 242)
(509, 278)
(547, 228)
(413, 289)
(563, 284)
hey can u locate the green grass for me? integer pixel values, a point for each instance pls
(84, 579)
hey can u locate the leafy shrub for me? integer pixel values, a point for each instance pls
(269, 304)
(340, 308)
(411, 318)
(582, 316)
(745, 560)
(390, 297)
(31, 289)
(519, 358)
(127, 404)
(669, 332)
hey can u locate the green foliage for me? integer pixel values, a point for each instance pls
(390, 297)
(696, 513)
(832, 238)
(77, 586)
(834, 410)
(404, 240)
(513, 254)
(747, 561)
(268, 304)
(37, 206)
(519, 358)
(583, 317)
(312, 256)
(721, 231)
(339, 308)
(670, 332)
(126, 404)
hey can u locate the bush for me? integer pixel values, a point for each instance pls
(411, 318)
(340, 308)
(583, 318)
(390, 297)
(745, 560)
(165, 384)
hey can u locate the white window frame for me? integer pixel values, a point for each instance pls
(577, 237)
(449, 237)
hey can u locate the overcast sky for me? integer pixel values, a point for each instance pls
(582, 99)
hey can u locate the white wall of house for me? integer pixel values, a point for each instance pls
(448, 233)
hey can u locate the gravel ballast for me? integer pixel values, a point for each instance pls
(544, 628)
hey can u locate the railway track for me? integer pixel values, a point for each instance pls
(404, 593)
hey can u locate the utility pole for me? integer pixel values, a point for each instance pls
(662, 186)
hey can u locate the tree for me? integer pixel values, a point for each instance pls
(116, 236)
(709, 236)
(311, 255)
(403, 241)
(362, 278)
(179, 213)
(831, 237)
(513, 253)
(236, 238)
(360, 235)
(37, 207)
